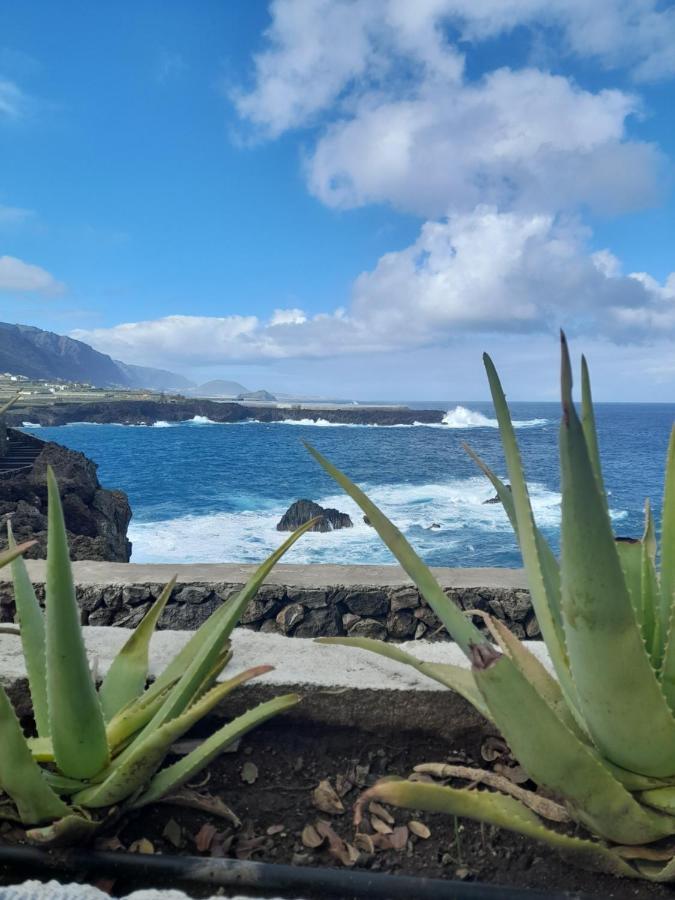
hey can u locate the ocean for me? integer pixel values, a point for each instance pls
(202, 492)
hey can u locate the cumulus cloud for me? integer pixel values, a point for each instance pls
(317, 51)
(527, 140)
(497, 167)
(474, 272)
(16, 275)
(398, 121)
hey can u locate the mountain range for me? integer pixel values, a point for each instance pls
(26, 350)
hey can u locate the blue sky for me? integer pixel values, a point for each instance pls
(346, 198)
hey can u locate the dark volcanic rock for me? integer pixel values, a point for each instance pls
(495, 499)
(180, 409)
(96, 519)
(303, 510)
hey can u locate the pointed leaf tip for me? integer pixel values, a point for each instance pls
(565, 379)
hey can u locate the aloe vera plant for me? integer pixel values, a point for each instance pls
(598, 736)
(100, 752)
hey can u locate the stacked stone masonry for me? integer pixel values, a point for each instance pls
(316, 604)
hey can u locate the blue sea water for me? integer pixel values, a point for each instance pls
(214, 493)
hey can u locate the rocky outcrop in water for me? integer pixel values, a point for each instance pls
(147, 412)
(96, 519)
(303, 510)
(496, 499)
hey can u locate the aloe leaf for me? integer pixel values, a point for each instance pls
(651, 630)
(199, 654)
(458, 678)
(12, 553)
(145, 756)
(9, 403)
(661, 798)
(62, 784)
(634, 782)
(128, 673)
(174, 776)
(550, 569)
(71, 829)
(543, 590)
(504, 812)
(32, 624)
(556, 758)
(20, 776)
(668, 540)
(203, 649)
(462, 630)
(41, 749)
(134, 716)
(619, 694)
(588, 427)
(75, 718)
(630, 557)
(537, 675)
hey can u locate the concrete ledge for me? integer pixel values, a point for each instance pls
(340, 686)
(298, 600)
(89, 572)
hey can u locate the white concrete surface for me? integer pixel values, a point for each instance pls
(299, 663)
(307, 576)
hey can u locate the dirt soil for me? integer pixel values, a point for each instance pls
(269, 782)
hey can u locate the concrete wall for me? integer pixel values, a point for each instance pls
(296, 600)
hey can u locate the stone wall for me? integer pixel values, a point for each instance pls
(300, 601)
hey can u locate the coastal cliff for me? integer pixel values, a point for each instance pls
(147, 412)
(96, 518)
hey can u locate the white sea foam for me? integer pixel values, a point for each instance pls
(249, 534)
(461, 417)
(160, 423)
(201, 420)
(31, 425)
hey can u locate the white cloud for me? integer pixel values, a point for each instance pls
(16, 275)
(13, 101)
(525, 140)
(473, 273)
(288, 317)
(398, 121)
(317, 51)
(14, 215)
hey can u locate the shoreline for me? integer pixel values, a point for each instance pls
(148, 412)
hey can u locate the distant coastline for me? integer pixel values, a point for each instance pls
(149, 412)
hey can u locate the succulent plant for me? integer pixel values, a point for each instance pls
(598, 738)
(98, 753)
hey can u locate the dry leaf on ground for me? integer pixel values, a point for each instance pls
(326, 799)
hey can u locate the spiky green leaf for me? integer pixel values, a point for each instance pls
(173, 777)
(589, 429)
(128, 673)
(146, 755)
(668, 541)
(458, 678)
(550, 570)
(20, 776)
(618, 692)
(555, 757)
(32, 624)
(544, 590)
(75, 719)
(12, 553)
(460, 627)
(197, 659)
(504, 812)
